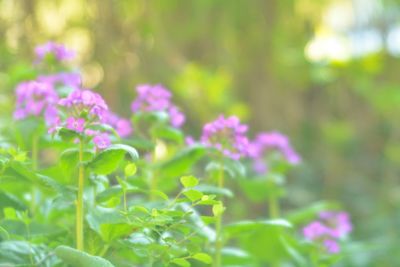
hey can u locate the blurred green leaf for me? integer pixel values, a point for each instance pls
(78, 258)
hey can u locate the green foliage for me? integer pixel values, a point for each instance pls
(109, 159)
(78, 258)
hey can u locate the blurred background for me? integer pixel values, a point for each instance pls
(323, 72)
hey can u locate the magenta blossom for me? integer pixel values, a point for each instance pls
(266, 142)
(152, 98)
(339, 222)
(60, 52)
(71, 79)
(102, 141)
(121, 125)
(331, 246)
(85, 111)
(315, 230)
(77, 125)
(35, 98)
(86, 101)
(331, 227)
(227, 135)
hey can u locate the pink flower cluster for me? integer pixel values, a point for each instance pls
(227, 135)
(35, 98)
(71, 79)
(60, 52)
(86, 101)
(121, 125)
(271, 141)
(85, 110)
(330, 227)
(156, 98)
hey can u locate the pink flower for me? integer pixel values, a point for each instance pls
(271, 141)
(35, 98)
(331, 246)
(86, 101)
(60, 52)
(102, 141)
(339, 222)
(228, 136)
(331, 227)
(315, 230)
(122, 126)
(77, 125)
(152, 98)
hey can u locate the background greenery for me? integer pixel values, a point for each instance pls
(256, 59)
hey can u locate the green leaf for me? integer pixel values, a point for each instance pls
(15, 253)
(9, 200)
(189, 181)
(69, 158)
(130, 169)
(67, 134)
(78, 258)
(245, 227)
(182, 162)
(4, 234)
(109, 159)
(308, 213)
(193, 195)
(203, 257)
(160, 194)
(108, 223)
(21, 171)
(293, 251)
(167, 133)
(106, 195)
(150, 117)
(210, 189)
(181, 262)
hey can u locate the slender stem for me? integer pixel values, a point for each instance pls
(153, 178)
(34, 156)
(218, 225)
(125, 202)
(28, 232)
(153, 186)
(35, 151)
(104, 250)
(273, 205)
(79, 201)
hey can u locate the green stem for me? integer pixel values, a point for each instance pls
(273, 205)
(218, 225)
(104, 250)
(125, 202)
(34, 156)
(153, 186)
(28, 232)
(79, 201)
(35, 151)
(153, 178)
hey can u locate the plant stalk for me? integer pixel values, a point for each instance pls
(79, 201)
(218, 225)
(35, 152)
(273, 205)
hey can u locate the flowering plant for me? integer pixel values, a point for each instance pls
(81, 196)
